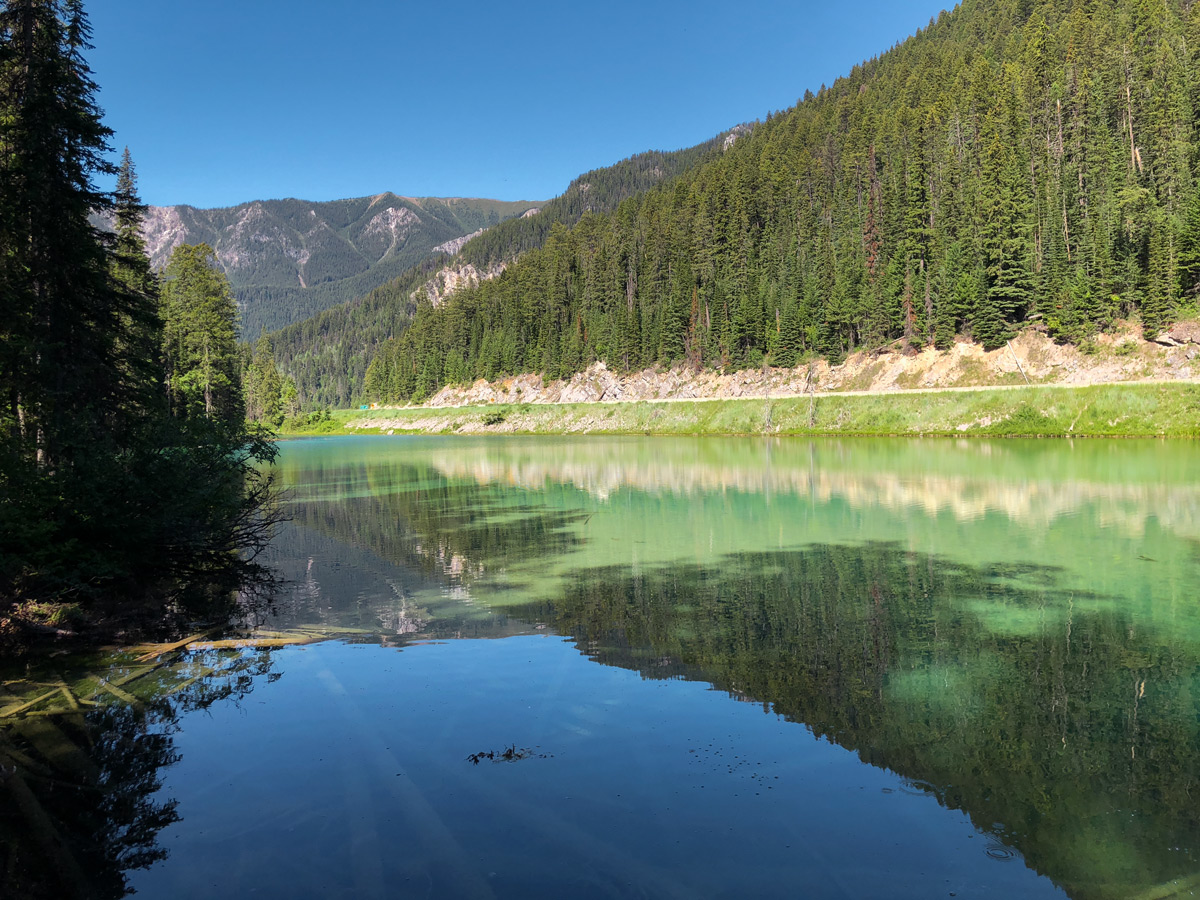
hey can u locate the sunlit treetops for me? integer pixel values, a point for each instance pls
(1017, 161)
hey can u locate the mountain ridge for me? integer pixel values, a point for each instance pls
(1015, 162)
(288, 259)
(327, 353)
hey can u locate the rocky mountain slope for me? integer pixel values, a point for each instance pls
(1013, 163)
(327, 353)
(1030, 358)
(290, 259)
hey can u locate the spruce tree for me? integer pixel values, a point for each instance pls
(103, 499)
(1189, 251)
(200, 337)
(136, 287)
(60, 330)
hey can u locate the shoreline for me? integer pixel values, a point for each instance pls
(1116, 409)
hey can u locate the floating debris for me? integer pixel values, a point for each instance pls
(508, 754)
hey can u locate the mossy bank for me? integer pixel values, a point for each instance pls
(1158, 409)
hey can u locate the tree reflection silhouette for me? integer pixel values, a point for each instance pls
(80, 788)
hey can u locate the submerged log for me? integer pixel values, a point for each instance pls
(120, 694)
(153, 650)
(10, 711)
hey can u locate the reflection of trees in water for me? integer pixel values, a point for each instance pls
(1057, 720)
(1039, 712)
(79, 771)
(441, 529)
(1050, 718)
(966, 482)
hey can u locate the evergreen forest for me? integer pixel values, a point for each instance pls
(131, 489)
(1015, 162)
(328, 353)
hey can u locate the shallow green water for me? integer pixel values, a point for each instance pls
(964, 668)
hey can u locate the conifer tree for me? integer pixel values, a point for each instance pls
(200, 337)
(103, 498)
(60, 331)
(136, 287)
(1189, 250)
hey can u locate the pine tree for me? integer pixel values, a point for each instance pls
(60, 330)
(1005, 233)
(1189, 250)
(136, 288)
(289, 398)
(103, 498)
(262, 386)
(200, 337)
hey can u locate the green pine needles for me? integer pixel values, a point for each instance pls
(130, 486)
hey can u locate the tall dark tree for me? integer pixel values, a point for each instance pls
(1189, 251)
(106, 502)
(60, 329)
(136, 286)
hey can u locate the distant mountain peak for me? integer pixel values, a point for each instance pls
(289, 259)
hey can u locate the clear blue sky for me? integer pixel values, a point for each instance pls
(225, 101)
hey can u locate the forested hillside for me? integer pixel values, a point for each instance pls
(290, 259)
(1016, 160)
(327, 354)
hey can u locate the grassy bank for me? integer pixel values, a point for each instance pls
(321, 422)
(1112, 410)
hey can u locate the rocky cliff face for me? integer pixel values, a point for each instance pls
(734, 133)
(450, 279)
(287, 259)
(453, 246)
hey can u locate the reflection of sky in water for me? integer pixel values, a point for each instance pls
(359, 785)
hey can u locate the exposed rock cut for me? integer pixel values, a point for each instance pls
(1031, 357)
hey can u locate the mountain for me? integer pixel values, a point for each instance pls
(289, 259)
(327, 354)
(1017, 163)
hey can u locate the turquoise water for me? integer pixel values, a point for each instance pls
(656, 667)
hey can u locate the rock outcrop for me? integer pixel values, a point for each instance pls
(1032, 357)
(453, 245)
(450, 279)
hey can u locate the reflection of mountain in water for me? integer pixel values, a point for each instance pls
(1053, 717)
(933, 477)
(356, 563)
(442, 532)
(1062, 720)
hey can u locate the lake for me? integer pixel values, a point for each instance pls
(651, 667)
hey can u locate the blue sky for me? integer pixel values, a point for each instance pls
(222, 102)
